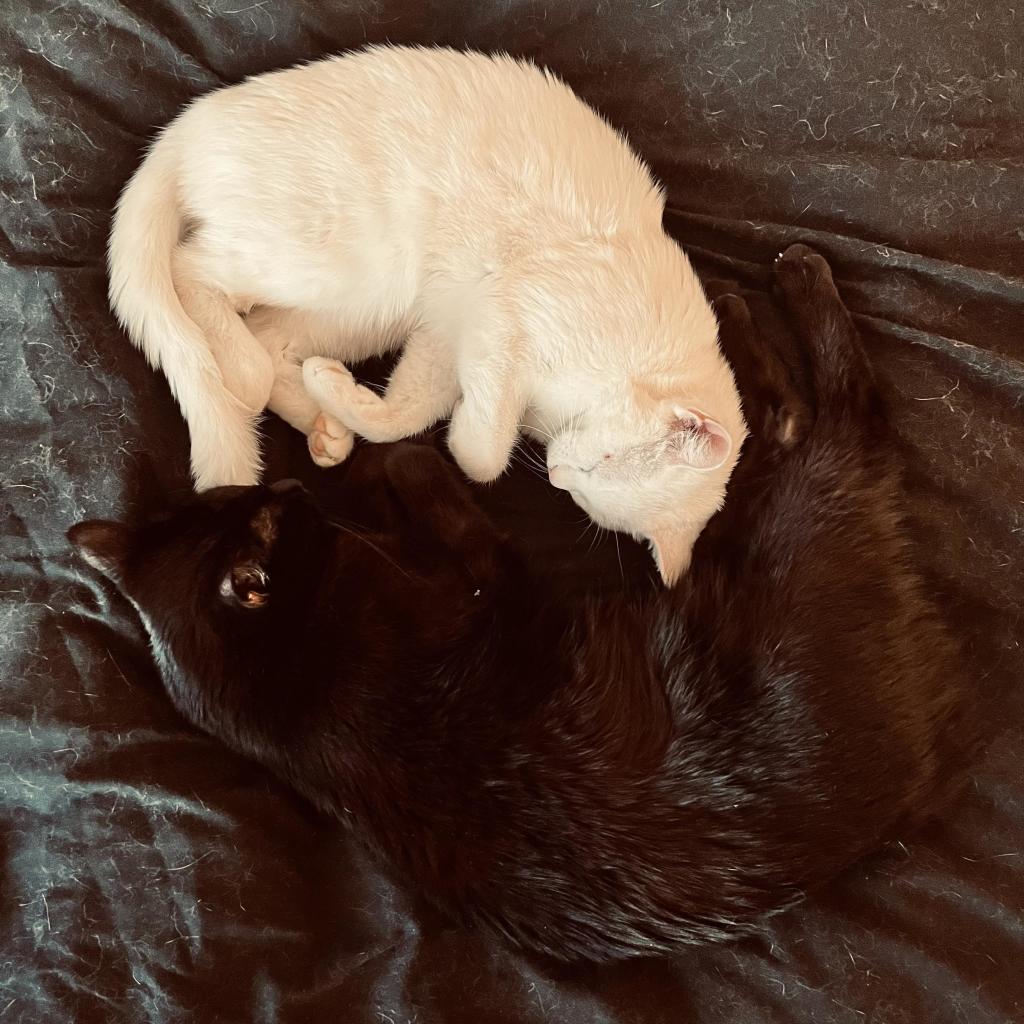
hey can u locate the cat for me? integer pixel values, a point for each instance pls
(601, 779)
(469, 207)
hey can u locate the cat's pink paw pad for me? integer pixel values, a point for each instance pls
(329, 442)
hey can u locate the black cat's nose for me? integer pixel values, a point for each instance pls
(286, 486)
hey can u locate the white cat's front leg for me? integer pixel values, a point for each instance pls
(421, 391)
(485, 424)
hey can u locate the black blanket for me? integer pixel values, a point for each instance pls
(147, 874)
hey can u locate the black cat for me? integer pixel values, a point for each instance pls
(598, 779)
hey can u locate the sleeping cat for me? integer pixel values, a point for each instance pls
(470, 208)
(599, 780)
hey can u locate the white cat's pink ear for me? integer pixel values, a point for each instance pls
(671, 550)
(696, 440)
(104, 545)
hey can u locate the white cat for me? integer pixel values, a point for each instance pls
(468, 207)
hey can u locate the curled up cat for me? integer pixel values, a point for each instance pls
(603, 779)
(468, 209)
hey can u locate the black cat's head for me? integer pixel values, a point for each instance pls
(226, 536)
(219, 583)
(245, 590)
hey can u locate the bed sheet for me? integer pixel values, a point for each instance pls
(146, 873)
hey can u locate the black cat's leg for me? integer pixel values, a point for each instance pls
(843, 379)
(412, 494)
(429, 485)
(437, 518)
(805, 280)
(777, 417)
(434, 497)
(776, 414)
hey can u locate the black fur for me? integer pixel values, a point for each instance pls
(604, 778)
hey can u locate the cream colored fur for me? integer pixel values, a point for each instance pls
(467, 208)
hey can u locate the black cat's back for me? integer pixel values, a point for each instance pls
(835, 672)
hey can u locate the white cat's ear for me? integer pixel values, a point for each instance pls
(104, 545)
(696, 440)
(671, 549)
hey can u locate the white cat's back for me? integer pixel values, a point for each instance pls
(374, 162)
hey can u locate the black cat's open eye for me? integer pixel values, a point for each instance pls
(247, 585)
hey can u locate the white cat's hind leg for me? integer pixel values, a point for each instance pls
(288, 336)
(246, 368)
(329, 441)
(225, 445)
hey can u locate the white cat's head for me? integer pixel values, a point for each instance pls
(644, 425)
(655, 469)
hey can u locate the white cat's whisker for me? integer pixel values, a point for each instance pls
(527, 459)
(531, 467)
(545, 432)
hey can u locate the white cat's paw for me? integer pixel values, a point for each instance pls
(363, 398)
(481, 462)
(329, 442)
(328, 381)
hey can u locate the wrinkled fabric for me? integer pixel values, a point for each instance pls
(149, 875)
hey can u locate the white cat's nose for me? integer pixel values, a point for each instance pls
(559, 477)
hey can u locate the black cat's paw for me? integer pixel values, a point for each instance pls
(788, 424)
(800, 271)
(775, 413)
(715, 287)
(732, 311)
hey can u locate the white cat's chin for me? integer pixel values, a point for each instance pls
(566, 478)
(615, 523)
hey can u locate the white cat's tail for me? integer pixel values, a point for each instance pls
(146, 230)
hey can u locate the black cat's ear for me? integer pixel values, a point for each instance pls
(103, 544)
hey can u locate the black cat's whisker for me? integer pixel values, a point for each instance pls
(369, 543)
